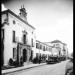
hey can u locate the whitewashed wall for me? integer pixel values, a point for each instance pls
(18, 27)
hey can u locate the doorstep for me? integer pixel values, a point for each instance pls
(28, 66)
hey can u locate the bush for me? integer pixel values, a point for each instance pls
(21, 61)
(35, 60)
(15, 63)
(11, 62)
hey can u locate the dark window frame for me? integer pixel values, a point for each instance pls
(14, 36)
(24, 38)
(2, 33)
(32, 42)
(37, 45)
(43, 48)
(40, 46)
(14, 22)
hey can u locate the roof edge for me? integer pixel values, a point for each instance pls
(43, 43)
(8, 10)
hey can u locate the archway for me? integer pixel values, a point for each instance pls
(24, 55)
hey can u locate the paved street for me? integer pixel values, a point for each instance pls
(49, 69)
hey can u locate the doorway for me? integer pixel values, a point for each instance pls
(24, 55)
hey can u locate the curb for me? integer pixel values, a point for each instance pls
(20, 69)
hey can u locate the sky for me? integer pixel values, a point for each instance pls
(53, 19)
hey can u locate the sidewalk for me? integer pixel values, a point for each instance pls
(27, 66)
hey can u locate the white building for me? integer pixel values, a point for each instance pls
(58, 48)
(43, 50)
(18, 40)
(17, 37)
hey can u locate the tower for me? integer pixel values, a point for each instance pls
(23, 13)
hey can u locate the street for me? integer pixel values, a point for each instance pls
(37, 37)
(49, 69)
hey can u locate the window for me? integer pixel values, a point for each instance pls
(40, 46)
(32, 42)
(2, 34)
(13, 36)
(24, 39)
(14, 53)
(14, 22)
(37, 45)
(44, 48)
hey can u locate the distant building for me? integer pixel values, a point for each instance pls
(17, 37)
(58, 48)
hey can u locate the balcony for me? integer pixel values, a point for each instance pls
(19, 40)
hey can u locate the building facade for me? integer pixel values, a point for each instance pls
(58, 48)
(17, 37)
(43, 50)
(18, 40)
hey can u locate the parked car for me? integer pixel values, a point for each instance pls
(69, 67)
(52, 60)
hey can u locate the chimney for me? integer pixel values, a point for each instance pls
(23, 13)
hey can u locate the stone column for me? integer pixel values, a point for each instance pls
(27, 54)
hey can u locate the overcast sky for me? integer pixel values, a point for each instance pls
(53, 19)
